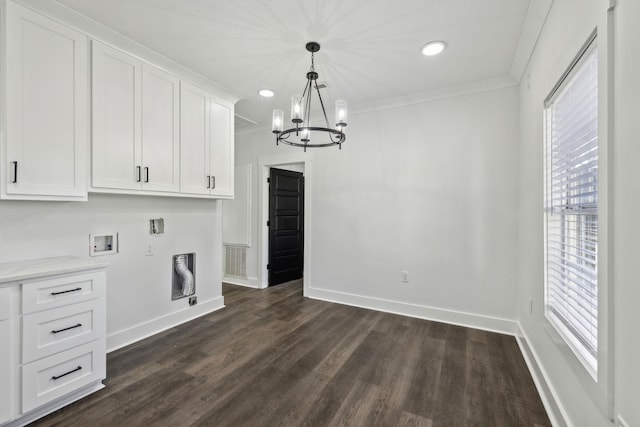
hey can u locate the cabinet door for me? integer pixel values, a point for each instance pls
(8, 342)
(116, 147)
(160, 133)
(222, 149)
(46, 110)
(194, 140)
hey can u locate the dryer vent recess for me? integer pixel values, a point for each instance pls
(184, 282)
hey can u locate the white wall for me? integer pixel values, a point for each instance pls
(581, 400)
(235, 229)
(626, 202)
(138, 286)
(428, 188)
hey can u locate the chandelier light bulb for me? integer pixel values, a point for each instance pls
(306, 135)
(296, 109)
(341, 113)
(278, 119)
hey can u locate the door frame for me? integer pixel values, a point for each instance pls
(264, 164)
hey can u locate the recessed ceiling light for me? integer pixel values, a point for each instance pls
(266, 93)
(433, 48)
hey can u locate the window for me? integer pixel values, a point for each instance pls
(571, 211)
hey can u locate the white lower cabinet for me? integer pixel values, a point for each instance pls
(55, 376)
(53, 318)
(6, 371)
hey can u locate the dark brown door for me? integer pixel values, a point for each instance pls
(286, 225)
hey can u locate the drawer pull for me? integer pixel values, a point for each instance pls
(57, 377)
(66, 292)
(57, 331)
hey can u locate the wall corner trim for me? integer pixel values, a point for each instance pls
(144, 330)
(556, 412)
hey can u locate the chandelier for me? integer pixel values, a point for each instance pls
(303, 134)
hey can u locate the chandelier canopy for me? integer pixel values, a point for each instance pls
(303, 133)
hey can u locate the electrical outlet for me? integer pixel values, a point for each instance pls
(149, 249)
(404, 276)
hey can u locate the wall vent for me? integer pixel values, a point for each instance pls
(235, 264)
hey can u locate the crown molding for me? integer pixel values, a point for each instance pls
(462, 89)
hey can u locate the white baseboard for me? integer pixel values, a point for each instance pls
(555, 411)
(61, 402)
(471, 320)
(249, 283)
(135, 333)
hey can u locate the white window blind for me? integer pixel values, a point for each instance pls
(571, 184)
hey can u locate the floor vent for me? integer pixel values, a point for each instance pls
(235, 264)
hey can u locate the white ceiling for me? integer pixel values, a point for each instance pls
(370, 48)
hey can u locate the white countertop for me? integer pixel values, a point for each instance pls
(23, 270)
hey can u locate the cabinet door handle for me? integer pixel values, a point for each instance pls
(208, 181)
(214, 181)
(146, 174)
(139, 174)
(66, 292)
(57, 331)
(15, 173)
(57, 377)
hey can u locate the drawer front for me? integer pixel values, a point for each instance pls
(52, 377)
(60, 291)
(52, 331)
(5, 303)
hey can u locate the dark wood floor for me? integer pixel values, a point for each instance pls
(274, 358)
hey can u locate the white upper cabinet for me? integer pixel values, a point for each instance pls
(44, 149)
(195, 146)
(206, 152)
(160, 130)
(117, 138)
(136, 143)
(221, 150)
(150, 132)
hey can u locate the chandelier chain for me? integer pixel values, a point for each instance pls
(326, 119)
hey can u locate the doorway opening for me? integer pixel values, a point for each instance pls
(286, 225)
(293, 162)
